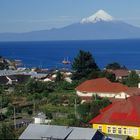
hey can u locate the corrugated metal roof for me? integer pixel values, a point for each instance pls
(34, 131)
(7, 72)
(39, 131)
(82, 133)
(58, 132)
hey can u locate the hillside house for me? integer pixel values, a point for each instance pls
(120, 118)
(102, 87)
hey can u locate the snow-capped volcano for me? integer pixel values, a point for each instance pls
(104, 28)
(100, 15)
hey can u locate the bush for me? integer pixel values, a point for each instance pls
(6, 131)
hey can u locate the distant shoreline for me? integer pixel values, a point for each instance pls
(72, 40)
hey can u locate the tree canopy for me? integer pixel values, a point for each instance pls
(133, 79)
(3, 64)
(89, 110)
(6, 132)
(83, 65)
(115, 66)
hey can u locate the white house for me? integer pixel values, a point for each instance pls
(102, 87)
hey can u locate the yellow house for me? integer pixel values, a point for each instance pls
(120, 118)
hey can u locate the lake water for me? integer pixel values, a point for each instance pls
(51, 54)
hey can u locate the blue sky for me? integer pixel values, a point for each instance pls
(29, 15)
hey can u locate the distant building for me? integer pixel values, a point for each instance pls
(102, 87)
(12, 76)
(40, 118)
(120, 74)
(120, 118)
(54, 132)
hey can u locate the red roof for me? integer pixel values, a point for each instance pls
(120, 72)
(101, 85)
(126, 112)
(133, 91)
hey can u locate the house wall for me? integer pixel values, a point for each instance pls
(131, 131)
(121, 95)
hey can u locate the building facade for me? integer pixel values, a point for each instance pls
(120, 118)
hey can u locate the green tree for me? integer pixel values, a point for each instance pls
(83, 111)
(59, 77)
(33, 86)
(6, 131)
(133, 79)
(83, 65)
(109, 76)
(1, 89)
(115, 66)
(87, 111)
(3, 64)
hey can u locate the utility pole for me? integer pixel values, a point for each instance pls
(14, 117)
(75, 106)
(34, 106)
(1, 99)
(1, 106)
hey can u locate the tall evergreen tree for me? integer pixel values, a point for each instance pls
(83, 65)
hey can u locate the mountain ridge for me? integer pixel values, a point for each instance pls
(99, 26)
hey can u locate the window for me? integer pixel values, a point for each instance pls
(100, 128)
(135, 132)
(119, 131)
(130, 131)
(124, 131)
(114, 130)
(109, 129)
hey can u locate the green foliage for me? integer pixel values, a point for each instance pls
(101, 74)
(6, 132)
(5, 100)
(49, 114)
(83, 109)
(55, 99)
(109, 76)
(30, 112)
(132, 80)
(3, 64)
(93, 75)
(33, 86)
(1, 89)
(90, 110)
(10, 111)
(59, 77)
(73, 121)
(83, 64)
(65, 86)
(115, 66)
(19, 89)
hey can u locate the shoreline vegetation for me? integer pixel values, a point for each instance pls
(56, 97)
